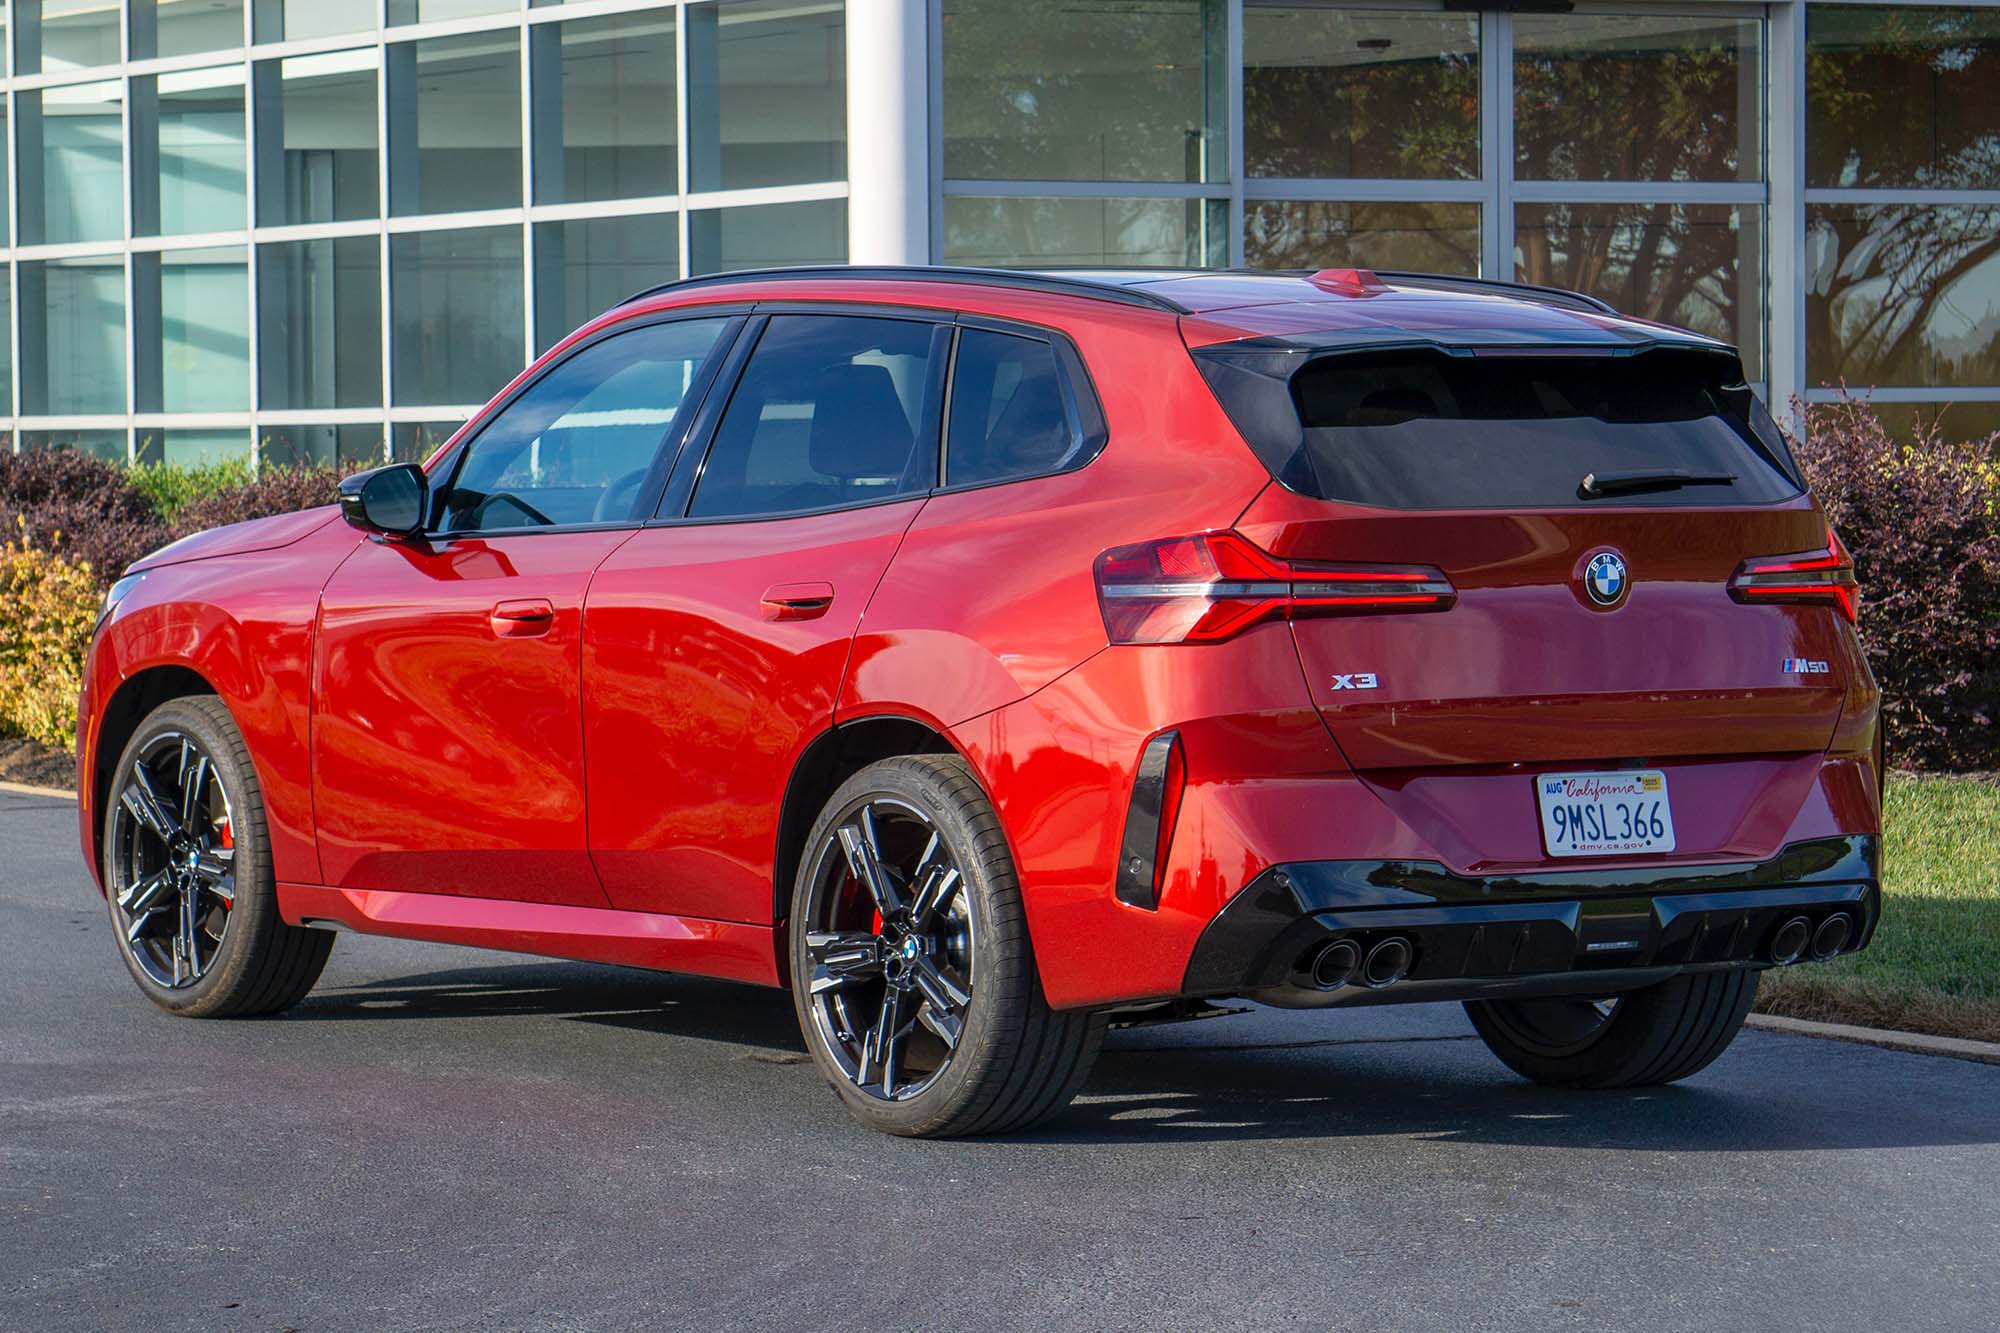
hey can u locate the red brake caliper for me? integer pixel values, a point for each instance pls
(226, 837)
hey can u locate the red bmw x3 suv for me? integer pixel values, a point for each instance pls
(989, 656)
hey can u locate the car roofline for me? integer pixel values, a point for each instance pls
(1124, 286)
(978, 277)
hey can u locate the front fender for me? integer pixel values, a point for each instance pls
(244, 626)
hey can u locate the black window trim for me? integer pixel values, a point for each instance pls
(672, 510)
(673, 443)
(1081, 404)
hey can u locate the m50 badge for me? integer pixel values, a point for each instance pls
(1804, 666)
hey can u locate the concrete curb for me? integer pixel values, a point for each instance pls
(23, 789)
(1914, 1043)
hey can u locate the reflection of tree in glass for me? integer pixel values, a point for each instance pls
(1903, 97)
(1148, 233)
(1903, 293)
(1631, 100)
(1679, 263)
(1052, 90)
(1430, 238)
(1333, 93)
(1639, 100)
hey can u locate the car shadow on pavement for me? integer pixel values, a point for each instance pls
(1449, 1089)
(1149, 1091)
(670, 1005)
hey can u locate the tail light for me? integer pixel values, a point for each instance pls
(1206, 588)
(1824, 577)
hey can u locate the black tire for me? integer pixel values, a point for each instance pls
(1658, 1035)
(1016, 1063)
(255, 963)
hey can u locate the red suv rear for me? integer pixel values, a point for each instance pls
(986, 654)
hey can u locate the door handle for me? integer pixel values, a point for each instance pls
(796, 601)
(522, 619)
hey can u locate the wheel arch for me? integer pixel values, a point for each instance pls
(832, 757)
(136, 697)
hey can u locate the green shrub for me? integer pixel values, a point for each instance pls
(275, 490)
(171, 487)
(82, 506)
(48, 607)
(1919, 515)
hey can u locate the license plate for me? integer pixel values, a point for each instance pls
(1605, 814)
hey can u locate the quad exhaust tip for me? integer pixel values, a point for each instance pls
(1832, 936)
(1333, 967)
(1788, 945)
(1387, 963)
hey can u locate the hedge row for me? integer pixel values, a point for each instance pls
(69, 525)
(104, 517)
(1921, 514)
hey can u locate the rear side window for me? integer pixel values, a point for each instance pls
(1429, 430)
(1009, 417)
(827, 413)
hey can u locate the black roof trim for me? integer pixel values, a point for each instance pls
(1562, 296)
(983, 277)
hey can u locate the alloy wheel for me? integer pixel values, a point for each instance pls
(173, 855)
(889, 942)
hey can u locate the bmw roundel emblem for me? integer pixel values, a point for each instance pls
(1604, 578)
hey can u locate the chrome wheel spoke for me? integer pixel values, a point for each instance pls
(943, 1010)
(144, 897)
(187, 942)
(141, 924)
(839, 958)
(882, 1051)
(146, 806)
(191, 802)
(215, 871)
(934, 894)
(863, 849)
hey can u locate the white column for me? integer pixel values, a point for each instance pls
(888, 142)
(1785, 222)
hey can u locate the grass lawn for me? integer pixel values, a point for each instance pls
(1934, 965)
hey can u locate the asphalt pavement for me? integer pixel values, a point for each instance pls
(447, 1139)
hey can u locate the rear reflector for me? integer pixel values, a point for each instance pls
(1149, 821)
(1824, 577)
(1206, 588)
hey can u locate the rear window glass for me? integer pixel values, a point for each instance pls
(1429, 430)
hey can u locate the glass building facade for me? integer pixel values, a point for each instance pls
(326, 230)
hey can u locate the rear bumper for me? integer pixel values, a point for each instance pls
(1567, 932)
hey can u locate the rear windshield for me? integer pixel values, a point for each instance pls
(1425, 429)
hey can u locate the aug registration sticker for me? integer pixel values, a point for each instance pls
(1605, 814)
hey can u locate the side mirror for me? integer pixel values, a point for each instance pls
(390, 501)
